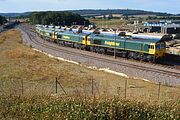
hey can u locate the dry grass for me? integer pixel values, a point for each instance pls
(38, 72)
(2, 39)
(108, 23)
(19, 53)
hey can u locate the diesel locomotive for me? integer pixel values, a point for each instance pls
(126, 46)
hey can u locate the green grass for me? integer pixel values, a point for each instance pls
(85, 108)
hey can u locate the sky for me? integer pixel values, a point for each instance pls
(169, 6)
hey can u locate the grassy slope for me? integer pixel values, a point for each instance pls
(19, 62)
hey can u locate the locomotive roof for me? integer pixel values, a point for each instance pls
(123, 38)
(60, 32)
(70, 33)
(105, 37)
(44, 29)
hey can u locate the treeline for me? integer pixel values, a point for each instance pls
(2, 20)
(57, 18)
(125, 12)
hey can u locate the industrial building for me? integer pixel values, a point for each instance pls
(163, 26)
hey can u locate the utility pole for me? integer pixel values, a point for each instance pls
(159, 90)
(115, 45)
(125, 94)
(56, 85)
(92, 86)
(22, 87)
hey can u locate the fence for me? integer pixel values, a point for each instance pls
(92, 88)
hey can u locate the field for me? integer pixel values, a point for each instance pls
(28, 83)
(108, 23)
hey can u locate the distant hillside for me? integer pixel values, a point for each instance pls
(125, 12)
(14, 14)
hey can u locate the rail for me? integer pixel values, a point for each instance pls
(114, 61)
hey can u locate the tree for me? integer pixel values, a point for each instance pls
(57, 18)
(2, 20)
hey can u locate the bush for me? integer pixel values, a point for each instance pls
(2, 20)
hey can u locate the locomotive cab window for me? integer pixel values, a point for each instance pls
(151, 46)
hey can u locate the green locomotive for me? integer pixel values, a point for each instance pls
(142, 49)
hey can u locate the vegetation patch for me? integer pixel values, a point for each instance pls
(84, 108)
(57, 18)
(19, 53)
(2, 39)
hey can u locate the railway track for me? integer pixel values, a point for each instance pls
(34, 38)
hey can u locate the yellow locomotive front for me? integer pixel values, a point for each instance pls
(158, 49)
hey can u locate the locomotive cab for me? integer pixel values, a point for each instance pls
(157, 49)
(54, 36)
(86, 40)
(160, 49)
